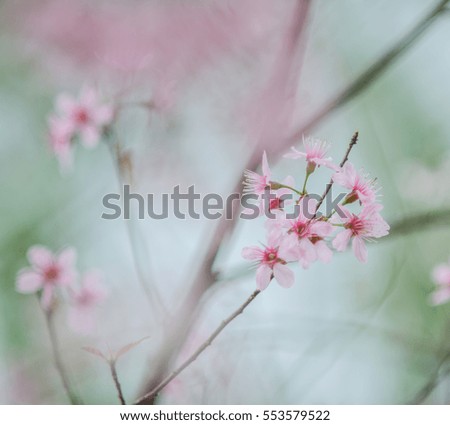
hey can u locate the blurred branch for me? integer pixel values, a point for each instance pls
(205, 276)
(433, 382)
(366, 77)
(112, 367)
(124, 168)
(154, 392)
(352, 143)
(419, 222)
(57, 358)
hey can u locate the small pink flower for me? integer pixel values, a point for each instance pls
(362, 189)
(84, 299)
(307, 234)
(368, 224)
(48, 271)
(441, 277)
(256, 183)
(315, 153)
(272, 262)
(86, 115)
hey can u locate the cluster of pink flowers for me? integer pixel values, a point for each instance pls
(54, 276)
(304, 235)
(84, 118)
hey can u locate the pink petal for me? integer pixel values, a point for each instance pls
(90, 136)
(441, 274)
(283, 275)
(40, 257)
(65, 104)
(341, 240)
(324, 253)
(252, 253)
(440, 296)
(67, 258)
(263, 276)
(28, 281)
(360, 249)
(265, 166)
(103, 115)
(321, 228)
(47, 297)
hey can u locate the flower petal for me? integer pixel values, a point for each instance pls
(28, 281)
(40, 257)
(341, 240)
(263, 276)
(360, 249)
(252, 253)
(283, 275)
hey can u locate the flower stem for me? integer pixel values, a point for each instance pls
(112, 366)
(285, 186)
(153, 393)
(58, 360)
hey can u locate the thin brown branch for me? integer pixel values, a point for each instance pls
(419, 222)
(112, 367)
(368, 76)
(58, 360)
(352, 143)
(153, 393)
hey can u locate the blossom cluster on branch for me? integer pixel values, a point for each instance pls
(305, 235)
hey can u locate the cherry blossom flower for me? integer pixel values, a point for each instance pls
(315, 154)
(441, 277)
(256, 183)
(85, 299)
(272, 262)
(48, 271)
(87, 115)
(361, 189)
(307, 234)
(368, 224)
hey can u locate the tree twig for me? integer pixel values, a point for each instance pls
(366, 77)
(352, 143)
(57, 358)
(153, 393)
(112, 367)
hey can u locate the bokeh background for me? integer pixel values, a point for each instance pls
(347, 333)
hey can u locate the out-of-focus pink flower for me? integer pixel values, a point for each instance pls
(84, 300)
(361, 188)
(256, 183)
(48, 271)
(368, 224)
(441, 277)
(272, 262)
(315, 153)
(87, 116)
(60, 133)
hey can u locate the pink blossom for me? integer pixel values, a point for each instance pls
(307, 234)
(272, 262)
(361, 188)
(87, 115)
(368, 224)
(61, 141)
(256, 183)
(441, 277)
(48, 271)
(315, 153)
(84, 299)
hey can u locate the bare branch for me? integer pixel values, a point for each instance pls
(153, 393)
